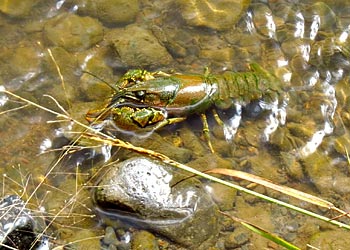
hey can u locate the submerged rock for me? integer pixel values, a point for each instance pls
(237, 239)
(72, 32)
(110, 11)
(17, 8)
(218, 15)
(23, 63)
(18, 228)
(137, 47)
(152, 195)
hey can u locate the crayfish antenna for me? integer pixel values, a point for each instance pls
(102, 80)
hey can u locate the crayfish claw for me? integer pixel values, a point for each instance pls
(168, 121)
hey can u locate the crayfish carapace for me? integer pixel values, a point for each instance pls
(147, 101)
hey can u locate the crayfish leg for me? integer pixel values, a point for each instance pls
(206, 132)
(206, 72)
(217, 118)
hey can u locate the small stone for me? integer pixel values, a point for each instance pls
(284, 140)
(263, 20)
(292, 166)
(236, 239)
(219, 55)
(110, 236)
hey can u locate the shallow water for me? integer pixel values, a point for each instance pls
(46, 48)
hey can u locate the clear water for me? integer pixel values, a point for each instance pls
(302, 143)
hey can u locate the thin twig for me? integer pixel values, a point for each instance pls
(58, 105)
(14, 109)
(60, 75)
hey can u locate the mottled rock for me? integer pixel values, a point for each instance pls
(151, 194)
(237, 239)
(284, 140)
(213, 14)
(110, 11)
(72, 32)
(138, 47)
(320, 171)
(292, 166)
(17, 8)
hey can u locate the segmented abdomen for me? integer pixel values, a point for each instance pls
(239, 86)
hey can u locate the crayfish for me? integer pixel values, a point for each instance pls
(146, 101)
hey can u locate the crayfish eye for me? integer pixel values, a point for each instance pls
(140, 93)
